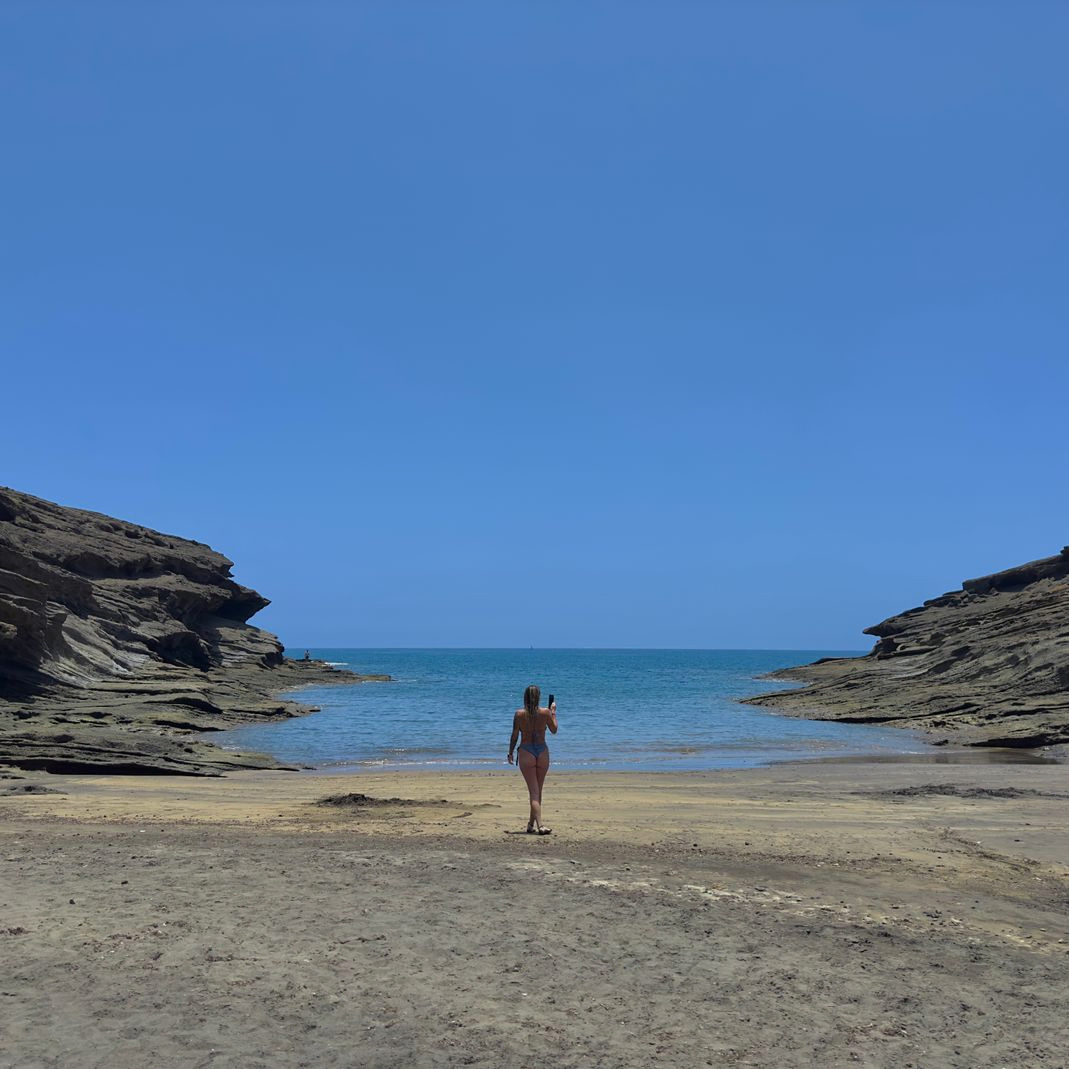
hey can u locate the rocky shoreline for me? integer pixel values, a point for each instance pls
(987, 665)
(120, 646)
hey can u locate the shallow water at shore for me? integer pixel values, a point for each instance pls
(619, 709)
(979, 755)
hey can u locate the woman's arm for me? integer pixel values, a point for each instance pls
(552, 725)
(515, 735)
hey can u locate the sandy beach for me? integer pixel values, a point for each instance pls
(873, 914)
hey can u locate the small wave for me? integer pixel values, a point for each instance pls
(433, 750)
(455, 762)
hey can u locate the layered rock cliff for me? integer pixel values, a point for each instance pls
(118, 645)
(986, 665)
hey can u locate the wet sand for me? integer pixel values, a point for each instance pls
(876, 914)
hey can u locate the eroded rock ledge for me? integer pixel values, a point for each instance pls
(987, 665)
(119, 645)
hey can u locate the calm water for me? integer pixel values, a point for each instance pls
(618, 709)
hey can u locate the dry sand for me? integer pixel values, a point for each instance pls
(906, 915)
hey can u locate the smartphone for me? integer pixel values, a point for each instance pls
(551, 701)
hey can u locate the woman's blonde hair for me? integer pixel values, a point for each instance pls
(531, 697)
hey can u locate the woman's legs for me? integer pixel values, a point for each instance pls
(529, 767)
(541, 769)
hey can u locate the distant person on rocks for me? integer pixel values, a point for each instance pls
(529, 725)
(307, 655)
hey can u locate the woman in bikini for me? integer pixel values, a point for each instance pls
(530, 723)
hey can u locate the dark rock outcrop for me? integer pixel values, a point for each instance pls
(986, 665)
(118, 645)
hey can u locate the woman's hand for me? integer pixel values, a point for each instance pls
(510, 757)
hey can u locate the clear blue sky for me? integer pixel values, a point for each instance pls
(551, 323)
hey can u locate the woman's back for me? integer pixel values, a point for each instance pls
(532, 728)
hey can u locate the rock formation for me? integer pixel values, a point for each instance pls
(119, 644)
(986, 665)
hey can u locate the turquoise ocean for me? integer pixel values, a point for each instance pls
(669, 710)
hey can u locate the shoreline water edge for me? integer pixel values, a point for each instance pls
(622, 709)
(701, 724)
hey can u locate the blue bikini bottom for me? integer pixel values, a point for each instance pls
(535, 749)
